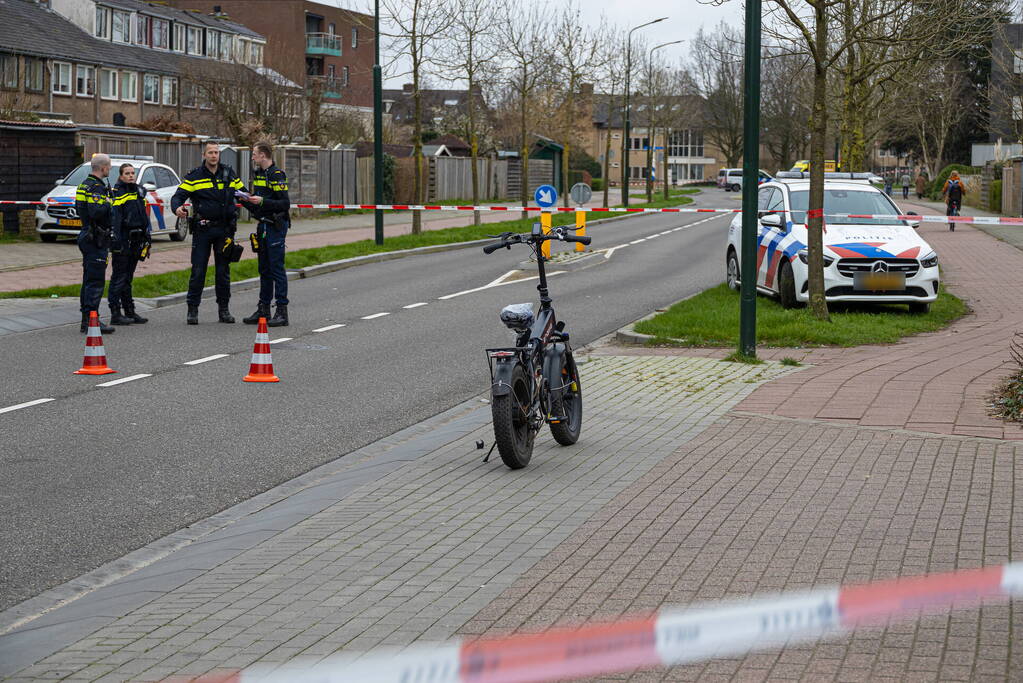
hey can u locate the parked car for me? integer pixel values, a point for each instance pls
(875, 260)
(59, 216)
(731, 178)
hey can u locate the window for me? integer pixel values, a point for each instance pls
(331, 71)
(129, 86)
(685, 143)
(170, 91)
(188, 98)
(1017, 108)
(108, 84)
(35, 74)
(179, 38)
(102, 22)
(9, 71)
(637, 172)
(151, 89)
(61, 78)
(122, 27)
(161, 34)
(85, 81)
(639, 143)
(257, 54)
(355, 36)
(332, 29)
(148, 177)
(143, 24)
(450, 103)
(165, 177)
(194, 44)
(1017, 61)
(226, 47)
(344, 76)
(211, 43)
(241, 51)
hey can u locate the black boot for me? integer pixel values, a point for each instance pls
(193, 315)
(103, 327)
(280, 318)
(262, 311)
(129, 312)
(116, 318)
(224, 315)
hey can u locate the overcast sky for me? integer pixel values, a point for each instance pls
(685, 17)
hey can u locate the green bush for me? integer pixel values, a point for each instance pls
(994, 201)
(934, 188)
(597, 184)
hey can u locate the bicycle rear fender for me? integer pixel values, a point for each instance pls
(553, 361)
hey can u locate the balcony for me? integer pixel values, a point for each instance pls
(330, 88)
(322, 44)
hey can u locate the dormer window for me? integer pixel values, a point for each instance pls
(102, 22)
(161, 34)
(122, 27)
(450, 103)
(142, 29)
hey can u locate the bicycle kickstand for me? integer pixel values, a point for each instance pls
(486, 458)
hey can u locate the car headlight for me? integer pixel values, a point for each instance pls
(929, 261)
(804, 256)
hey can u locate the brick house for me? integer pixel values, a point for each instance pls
(325, 49)
(116, 61)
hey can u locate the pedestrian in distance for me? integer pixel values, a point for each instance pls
(94, 207)
(888, 184)
(905, 184)
(131, 243)
(921, 184)
(953, 193)
(269, 204)
(210, 188)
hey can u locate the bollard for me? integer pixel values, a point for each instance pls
(545, 223)
(580, 229)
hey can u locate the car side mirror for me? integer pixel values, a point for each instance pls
(772, 220)
(58, 181)
(913, 224)
(149, 187)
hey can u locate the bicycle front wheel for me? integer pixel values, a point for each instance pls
(512, 430)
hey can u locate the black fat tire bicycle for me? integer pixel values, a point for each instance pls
(535, 382)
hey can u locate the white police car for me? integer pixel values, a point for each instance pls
(865, 259)
(59, 217)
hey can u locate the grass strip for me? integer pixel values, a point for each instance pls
(711, 318)
(159, 284)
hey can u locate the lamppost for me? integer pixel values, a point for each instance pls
(625, 140)
(750, 177)
(651, 133)
(378, 130)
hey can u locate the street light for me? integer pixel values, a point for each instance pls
(378, 131)
(625, 141)
(651, 133)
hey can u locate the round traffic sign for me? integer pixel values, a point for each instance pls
(580, 193)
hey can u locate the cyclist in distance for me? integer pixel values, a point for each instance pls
(953, 193)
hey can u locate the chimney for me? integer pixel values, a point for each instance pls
(218, 12)
(406, 89)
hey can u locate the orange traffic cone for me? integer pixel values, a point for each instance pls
(262, 367)
(95, 362)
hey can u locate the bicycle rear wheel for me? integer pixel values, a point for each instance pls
(512, 430)
(568, 403)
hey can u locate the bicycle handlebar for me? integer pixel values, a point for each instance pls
(528, 238)
(583, 239)
(491, 248)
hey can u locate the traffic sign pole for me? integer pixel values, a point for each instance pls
(750, 178)
(580, 229)
(545, 223)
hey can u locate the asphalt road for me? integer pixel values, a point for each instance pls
(100, 471)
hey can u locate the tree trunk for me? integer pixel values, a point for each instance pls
(523, 149)
(664, 171)
(818, 132)
(474, 154)
(650, 133)
(607, 159)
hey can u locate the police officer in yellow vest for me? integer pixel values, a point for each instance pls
(95, 208)
(269, 204)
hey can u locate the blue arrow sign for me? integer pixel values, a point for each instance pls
(545, 196)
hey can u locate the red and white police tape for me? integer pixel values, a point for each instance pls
(669, 637)
(985, 220)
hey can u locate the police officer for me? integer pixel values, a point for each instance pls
(211, 189)
(132, 236)
(269, 205)
(92, 201)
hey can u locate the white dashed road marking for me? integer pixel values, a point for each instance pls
(375, 315)
(421, 303)
(329, 327)
(207, 359)
(282, 339)
(130, 378)
(641, 239)
(27, 404)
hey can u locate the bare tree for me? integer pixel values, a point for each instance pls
(717, 69)
(528, 54)
(416, 27)
(678, 115)
(785, 105)
(928, 109)
(612, 76)
(469, 55)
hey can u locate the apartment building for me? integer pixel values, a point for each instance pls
(326, 49)
(116, 61)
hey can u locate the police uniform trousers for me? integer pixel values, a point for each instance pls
(94, 272)
(204, 240)
(273, 278)
(124, 264)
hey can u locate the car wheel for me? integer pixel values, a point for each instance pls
(181, 232)
(736, 187)
(48, 238)
(919, 308)
(786, 286)
(732, 270)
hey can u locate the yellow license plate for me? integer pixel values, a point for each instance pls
(70, 222)
(880, 282)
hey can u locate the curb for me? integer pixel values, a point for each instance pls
(628, 334)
